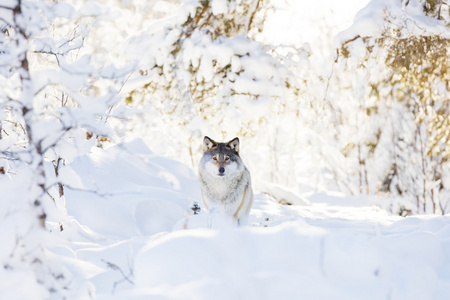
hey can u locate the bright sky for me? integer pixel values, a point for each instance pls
(299, 21)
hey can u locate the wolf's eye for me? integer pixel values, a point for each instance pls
(215, 158)
(227, 158)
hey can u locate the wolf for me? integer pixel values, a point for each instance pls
(224, 180)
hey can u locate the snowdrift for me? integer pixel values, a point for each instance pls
(127, 191)
(295, 260)
(133, 244)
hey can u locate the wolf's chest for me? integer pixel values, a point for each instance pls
(223, 191)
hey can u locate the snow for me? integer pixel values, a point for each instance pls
(125, 227)
(62, 10)
(370, 21)
(91, 9)
(139, 239)
(219, 7)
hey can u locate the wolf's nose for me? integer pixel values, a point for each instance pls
(221, 170)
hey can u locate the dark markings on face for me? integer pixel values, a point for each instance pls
(222, 152)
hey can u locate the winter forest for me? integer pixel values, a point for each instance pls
(343, 113)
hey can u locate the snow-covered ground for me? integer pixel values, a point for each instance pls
(130, 231)
(132, 235)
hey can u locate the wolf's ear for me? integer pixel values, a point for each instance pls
(234, 144)
(208, 144)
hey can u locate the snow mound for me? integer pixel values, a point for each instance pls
(127, 191)
(295, 260)
(283, 194)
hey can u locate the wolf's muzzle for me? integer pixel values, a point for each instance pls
(221, 170)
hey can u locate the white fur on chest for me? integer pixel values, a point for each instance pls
(225, 193)
(220, 188)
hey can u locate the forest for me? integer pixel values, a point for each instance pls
(104, 106)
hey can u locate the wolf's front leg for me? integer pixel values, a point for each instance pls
(217, 218)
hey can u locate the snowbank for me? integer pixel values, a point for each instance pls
(329, 249)
(127, 191)
(295, 260)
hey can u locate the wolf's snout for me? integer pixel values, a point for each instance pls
(221, 170)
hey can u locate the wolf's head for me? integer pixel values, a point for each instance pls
(221, 159)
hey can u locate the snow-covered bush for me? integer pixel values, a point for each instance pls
(402, 82)
(26, 136)
(201, 63)
(201, 73)
(52, 102)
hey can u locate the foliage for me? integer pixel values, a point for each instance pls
(51, 104)
(203, 74)
(422, 75)
(407, 88)
(201, 63)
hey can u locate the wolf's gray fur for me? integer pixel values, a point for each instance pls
(224, 180)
